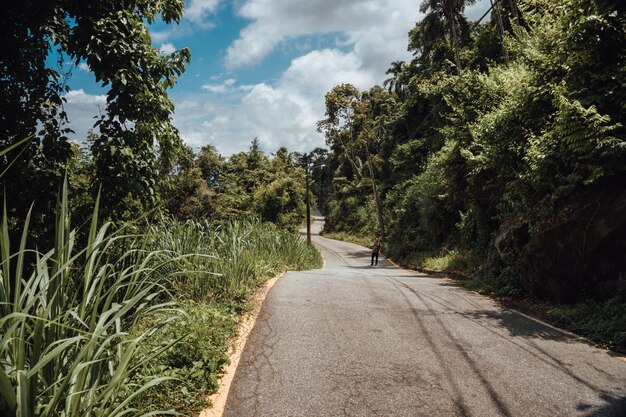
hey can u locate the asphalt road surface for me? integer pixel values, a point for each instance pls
(357, 340)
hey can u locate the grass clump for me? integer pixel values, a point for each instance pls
(195, 348)
(601, 321)
(227, 261)
(453, 260)
(450, 260)
(66, 346)
(125, 323)
(212, 273)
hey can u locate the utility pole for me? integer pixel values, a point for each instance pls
(308, 200)
(308, 206)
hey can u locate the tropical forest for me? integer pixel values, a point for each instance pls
(492, 160)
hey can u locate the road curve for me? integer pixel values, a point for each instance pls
(356, 340)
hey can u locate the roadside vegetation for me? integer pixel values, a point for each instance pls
(136, 314)
(499, 152)
(125, 261)
(211, 272)
(129, 320)
(347, 237)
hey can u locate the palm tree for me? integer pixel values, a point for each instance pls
(450, 11)
(393, 83)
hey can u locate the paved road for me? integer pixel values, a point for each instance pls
(355, 340)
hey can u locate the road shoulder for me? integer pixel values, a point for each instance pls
(219, 398)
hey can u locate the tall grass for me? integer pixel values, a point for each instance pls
(66, 316)
(230, 258)
(91, 329)
(223, 266)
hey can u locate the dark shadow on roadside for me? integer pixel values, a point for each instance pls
(615, 407)
(368, 266)
(518, 325)
(448, 283)
(455, 343)
(358, 254)
(528, 330)
(521, 326)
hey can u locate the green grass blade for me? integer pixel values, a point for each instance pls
(6, 391)
(24, 408)
(16, 144)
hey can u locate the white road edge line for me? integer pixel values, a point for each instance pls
(548, 325)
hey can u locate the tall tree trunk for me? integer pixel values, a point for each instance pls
(498, 11)
(379, 208)
(455, 40)
(449, 14)
(514, 10)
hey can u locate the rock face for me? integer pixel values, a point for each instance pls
(512, 237)
(583, 249)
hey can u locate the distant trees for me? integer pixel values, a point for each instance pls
(209, 186)
(353, 128)
(450, 14)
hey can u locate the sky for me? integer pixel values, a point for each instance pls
(260, 68)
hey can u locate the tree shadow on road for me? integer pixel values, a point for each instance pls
(615, 407)
(372, 267)
(518, 325)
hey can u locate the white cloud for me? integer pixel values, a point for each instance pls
(274, 21)
(215, 88)
(283, 114)
(173, 32)
(319, 71)
(80, 97)
(197, 10)
(167, 48)
(196, 16)
(369, 35)
(222, 88)
(84, 67)
(82, 108)
(478, 10)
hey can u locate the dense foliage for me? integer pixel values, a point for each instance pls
(497, 132)
(208, 186)
(112, 38)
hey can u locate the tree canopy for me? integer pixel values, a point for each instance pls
(495, 132)
(112, 38)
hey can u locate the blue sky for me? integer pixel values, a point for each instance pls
(260, 68)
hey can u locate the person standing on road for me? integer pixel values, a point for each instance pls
(375, 251)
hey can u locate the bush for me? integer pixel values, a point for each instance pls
(601, 321)
(90, 330)
(198, 343)
(225, 261)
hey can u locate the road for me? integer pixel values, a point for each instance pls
(356, 340)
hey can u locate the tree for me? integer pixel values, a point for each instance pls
(450, 11)
(348, 130)
(394, 83)
(113, 39)
(210, 163)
